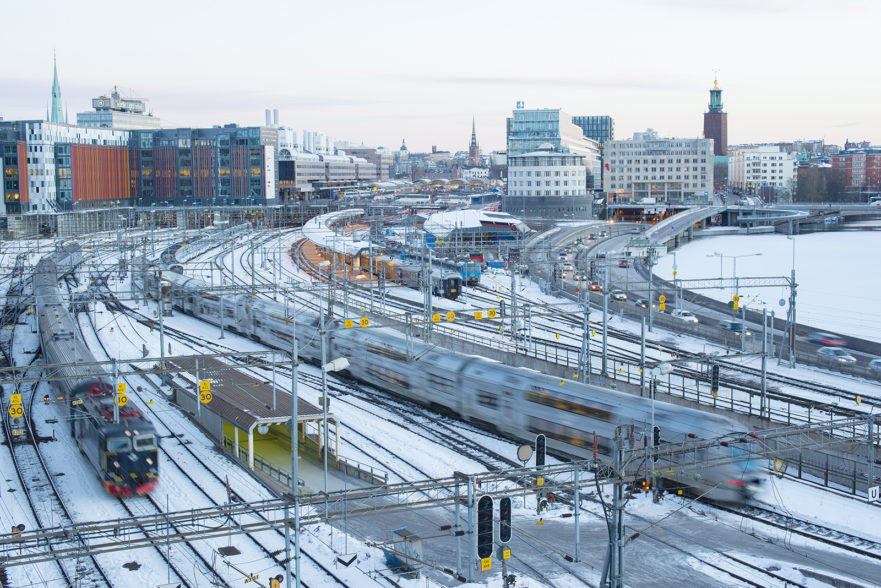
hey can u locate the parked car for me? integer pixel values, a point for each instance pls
(875, 367)
(685, 316)
(618, 296)
(643, 302)
(827, 340)
(736, 327)
(836, 354)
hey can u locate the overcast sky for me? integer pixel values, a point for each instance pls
(379, 71)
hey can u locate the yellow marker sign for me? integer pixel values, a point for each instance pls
(491, 313)
(662, 306)
(539, 522)
(364, 322)
(736, 306)
(349, 323)
(205, 386)
(558, 335)
(15, 399)
(435, 318)
(674, 273)
(506, 554)
(736, 298)
(16, 411)
(662, 299)
(121, 399)
(486, 564)
(451, 316)
(120, 388)
(478, 315)
(593, 333)
(859, 399)
(540, 482)
(205, 397)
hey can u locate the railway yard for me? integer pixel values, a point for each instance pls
(409, 390)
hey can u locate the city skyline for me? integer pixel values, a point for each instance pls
(788, 70)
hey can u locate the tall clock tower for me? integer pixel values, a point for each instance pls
(716, 121)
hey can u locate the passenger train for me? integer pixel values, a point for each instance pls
(124, 452)
(517, 402)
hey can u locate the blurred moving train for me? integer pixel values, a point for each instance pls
(124, 452)
(514, 401)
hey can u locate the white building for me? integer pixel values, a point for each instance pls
(116, 112)
(548, 184)
(475, 173)
(648, 166)
(764, 166)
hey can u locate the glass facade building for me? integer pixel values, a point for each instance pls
(600, 128)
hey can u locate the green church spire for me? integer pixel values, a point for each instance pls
(56, 114)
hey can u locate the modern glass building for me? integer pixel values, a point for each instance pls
(600, 128)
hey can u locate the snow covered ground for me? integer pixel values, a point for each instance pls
(836, 272)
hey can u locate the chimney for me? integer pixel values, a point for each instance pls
(275, 118)
(268, 121)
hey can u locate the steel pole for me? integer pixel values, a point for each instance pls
(295, 453)
(471, 548)
(764, 359)
(642, 359)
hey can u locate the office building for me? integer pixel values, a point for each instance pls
(547, 184)
(531, 130)
(669, 170)
(716, 121)
(381, 158)
(600, 128)
(116, 112)
(51, 166)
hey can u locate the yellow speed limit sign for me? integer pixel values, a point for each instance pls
(491, 313)
(205, 397)
(121, 399)
(16, 411)
(662, 299)
(451, 316)
(364, 322)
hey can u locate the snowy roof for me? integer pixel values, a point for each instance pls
(444, 223)
(319, 230)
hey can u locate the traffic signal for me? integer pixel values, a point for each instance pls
(714, 378)
(484, 527)
(504, 519)
(656, 440)
(539, 450)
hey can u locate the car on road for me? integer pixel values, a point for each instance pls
(596, 287)
(826, 339)
(604, 234)
(618, 296)
(624, 263)
(736, 327)
(836, 354)
(634, 231)
(592, 237)
(643, 302)
(875, 366)
(685, 316)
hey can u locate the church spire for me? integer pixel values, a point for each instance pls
(56, 114)
(474, 148)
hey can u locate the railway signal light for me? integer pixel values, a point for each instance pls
(539, 450)
(485, 527)
(656, 440)
(504, 519)
(714, 379)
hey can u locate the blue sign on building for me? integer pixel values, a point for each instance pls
(521, 104)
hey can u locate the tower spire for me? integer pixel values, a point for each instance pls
(474, 148)
(56, 114)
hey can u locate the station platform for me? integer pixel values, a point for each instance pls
(251, 422)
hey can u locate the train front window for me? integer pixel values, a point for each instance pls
(145, 442)
(118, 444)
